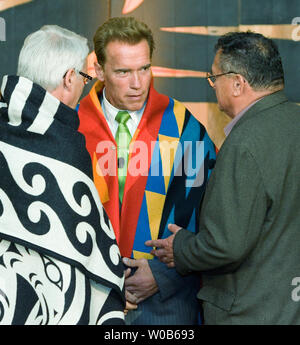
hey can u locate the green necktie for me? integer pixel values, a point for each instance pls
(123, 139)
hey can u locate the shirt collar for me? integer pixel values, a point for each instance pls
(232, 123)
(111, 112)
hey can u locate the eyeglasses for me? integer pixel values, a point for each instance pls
(86, 78)
(211, 78)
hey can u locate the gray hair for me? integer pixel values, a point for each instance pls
(253, 56)
(47, 54)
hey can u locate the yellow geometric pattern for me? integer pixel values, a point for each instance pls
(141, 255)
(179, 112)
(167, 146)
(157, 202)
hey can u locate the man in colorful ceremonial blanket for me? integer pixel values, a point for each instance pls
(59, 260)
(170, 160)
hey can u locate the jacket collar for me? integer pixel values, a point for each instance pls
(265, 103)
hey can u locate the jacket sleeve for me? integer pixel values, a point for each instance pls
(231, 219)
(168, 280)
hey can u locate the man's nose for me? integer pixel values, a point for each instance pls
(135, 81)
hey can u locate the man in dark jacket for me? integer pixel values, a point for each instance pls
(248, 243)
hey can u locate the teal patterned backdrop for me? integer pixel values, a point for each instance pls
(185, 33)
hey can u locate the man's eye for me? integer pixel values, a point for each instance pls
(122, 72)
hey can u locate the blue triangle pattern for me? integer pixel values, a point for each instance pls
(192, 222)
(169, 123)
(194, 165)
(156, 181)
(143, 233)
(171, 218)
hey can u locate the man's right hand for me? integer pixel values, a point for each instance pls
(129, 305)
(164, 247)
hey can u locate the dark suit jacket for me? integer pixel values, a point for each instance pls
(249, 239)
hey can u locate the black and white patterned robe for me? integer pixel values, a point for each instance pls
(59, 261)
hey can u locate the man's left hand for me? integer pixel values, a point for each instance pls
(141, 284)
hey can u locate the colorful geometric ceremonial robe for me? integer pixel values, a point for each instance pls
(170, 159)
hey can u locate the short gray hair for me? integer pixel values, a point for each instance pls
(47, 54)
(252, 55)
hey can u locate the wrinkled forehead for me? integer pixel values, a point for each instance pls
(132, 53)
(126, 43)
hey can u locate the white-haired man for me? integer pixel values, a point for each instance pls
(59, 261)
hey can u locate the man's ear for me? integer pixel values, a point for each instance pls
(68, 79)
(238, 85)
(99, 71)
